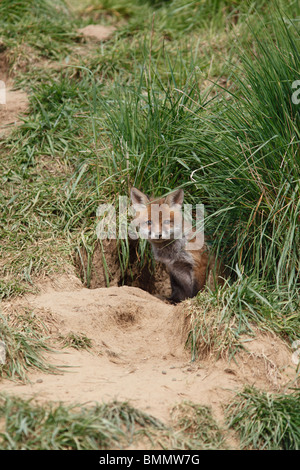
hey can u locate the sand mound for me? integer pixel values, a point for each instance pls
(138, 353)
(97, 32)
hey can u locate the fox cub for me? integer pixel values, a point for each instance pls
(161, 222)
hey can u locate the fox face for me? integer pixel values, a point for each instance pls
(159, 219)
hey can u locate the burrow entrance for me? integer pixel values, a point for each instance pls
(103, 268)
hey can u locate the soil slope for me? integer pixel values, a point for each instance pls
(138, 353)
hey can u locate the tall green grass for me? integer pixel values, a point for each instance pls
(26, 342)
(237, 152)
(266, 421)
(45, 26)
(252, 190)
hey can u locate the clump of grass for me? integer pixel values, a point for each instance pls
(210, 329)
(196, 426)
(26, 345)
(11, 287)
(217, 320)
(144, 119)
(75, 427)
(266, 421)
(27, 425)
(249, 172)
(61, 111)
(46, 26)
(76, 341)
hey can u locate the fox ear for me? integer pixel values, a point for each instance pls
(175, 198)
(138, 198)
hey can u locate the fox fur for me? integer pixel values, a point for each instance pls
(189, 269)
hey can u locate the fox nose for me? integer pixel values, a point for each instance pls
(157, 236)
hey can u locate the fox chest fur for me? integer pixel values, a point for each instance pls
(160, 221)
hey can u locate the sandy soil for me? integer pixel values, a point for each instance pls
(138, 353)
(16, 101)
(97, 32)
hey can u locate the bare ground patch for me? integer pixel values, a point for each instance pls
(16, 101)
(138, 354)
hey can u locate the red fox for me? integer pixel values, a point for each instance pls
(161, 222)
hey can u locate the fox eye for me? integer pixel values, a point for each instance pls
(147, 223)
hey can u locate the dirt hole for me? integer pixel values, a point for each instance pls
(124, 317)
(102, 268)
